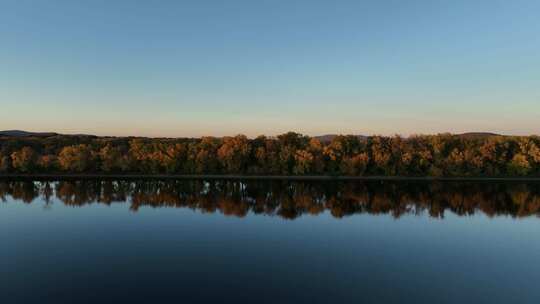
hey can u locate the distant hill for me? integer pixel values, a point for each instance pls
(329, 137)
(322, 138)
(477, 135)
(20, 133)
(469, 135)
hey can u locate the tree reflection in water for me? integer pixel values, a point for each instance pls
(288, 199)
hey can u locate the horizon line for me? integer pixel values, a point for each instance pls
(491, 133)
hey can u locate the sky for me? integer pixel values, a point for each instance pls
(195, 68)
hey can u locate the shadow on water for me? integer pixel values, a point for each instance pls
(290, 199)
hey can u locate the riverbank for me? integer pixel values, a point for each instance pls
(259, 177)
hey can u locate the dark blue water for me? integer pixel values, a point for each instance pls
(268, 242)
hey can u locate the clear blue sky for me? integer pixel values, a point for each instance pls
(191, 68)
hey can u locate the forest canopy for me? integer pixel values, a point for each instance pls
(287, 154)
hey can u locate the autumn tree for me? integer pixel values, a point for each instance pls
(303, 162)
(519, 165)
(24, 160)
(173, 157)
(289, 153)
(289, 143)
(530, 149)
(233, 155)
(203, 155)
(48, 163)
(315, 147)
(493, 153)
(78, 158)
(5, 163)
(112, 159)
(265, 156)
(141, 153)
(381, 155)
(355, 165)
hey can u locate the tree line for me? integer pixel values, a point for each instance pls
(287, 154)
(290, 200)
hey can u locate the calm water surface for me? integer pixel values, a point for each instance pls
(97, 241)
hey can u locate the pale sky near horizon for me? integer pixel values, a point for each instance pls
(192, 68)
